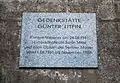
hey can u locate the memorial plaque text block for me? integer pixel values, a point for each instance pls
(58, 40)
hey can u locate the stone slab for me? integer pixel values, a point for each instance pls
(58, 40)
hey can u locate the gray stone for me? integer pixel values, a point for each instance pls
(58, 40)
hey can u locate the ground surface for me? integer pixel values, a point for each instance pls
(108, 35)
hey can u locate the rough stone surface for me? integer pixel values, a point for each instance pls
(108, 34)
